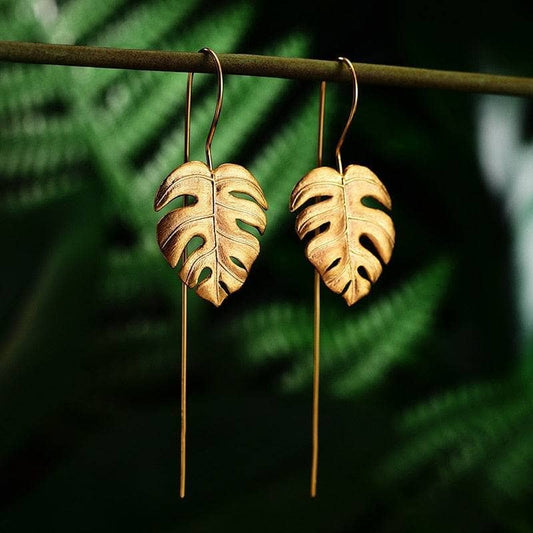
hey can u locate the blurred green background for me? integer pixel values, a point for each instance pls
(427, 398)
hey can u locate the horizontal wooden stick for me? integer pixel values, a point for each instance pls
(267, 66)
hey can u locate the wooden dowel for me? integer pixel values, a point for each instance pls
(256, 65)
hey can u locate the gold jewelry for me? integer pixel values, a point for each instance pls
(334, 215)
(221, 197)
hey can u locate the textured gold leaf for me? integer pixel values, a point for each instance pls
(345, 265)
(227, 250)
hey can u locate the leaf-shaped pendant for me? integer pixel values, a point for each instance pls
(346, 266)
(227, 250)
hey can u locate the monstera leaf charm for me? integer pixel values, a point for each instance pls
(223, 196)
(340, 221)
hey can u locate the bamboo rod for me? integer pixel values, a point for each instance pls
(267, 66)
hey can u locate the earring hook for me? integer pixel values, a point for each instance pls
(218, 108)
(355, 96)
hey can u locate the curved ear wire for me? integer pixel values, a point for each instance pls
(218, 109)
(355, 98)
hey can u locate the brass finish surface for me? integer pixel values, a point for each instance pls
(227, 250)
(345, 265)
(256, 65)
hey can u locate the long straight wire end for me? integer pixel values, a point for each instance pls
(316, 317)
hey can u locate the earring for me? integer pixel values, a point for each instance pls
(227, 250)
(222, 197)
(336, 219)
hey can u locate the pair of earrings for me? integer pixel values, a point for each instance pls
(331, 209)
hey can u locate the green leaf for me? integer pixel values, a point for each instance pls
(355, 353)
(482, 428)
(77, 18)
(286, 156)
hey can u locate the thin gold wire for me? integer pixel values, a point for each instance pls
(355, 96)
(218, 108)
(316, 317)
(187, 154)
(183, 431)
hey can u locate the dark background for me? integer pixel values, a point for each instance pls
(426, 404)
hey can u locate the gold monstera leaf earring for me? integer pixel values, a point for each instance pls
(227, 251)
(215, 200)
(336, 217)
(340, 219)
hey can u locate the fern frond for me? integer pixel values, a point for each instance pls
(145, 27)
(285, 155)
(355, 353)
(37, 126)
(79, 17)
(26, 87)
(482, 428)
(361, 354)
(23, 87)
(150, 107)
(40, 158)
(273, 331)
(243, 104)
(133, 195)
(38, 193)
(115, 166)
(460, 444)
(145, 24)
(17, 22)
(17, 32)
(455, 403)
